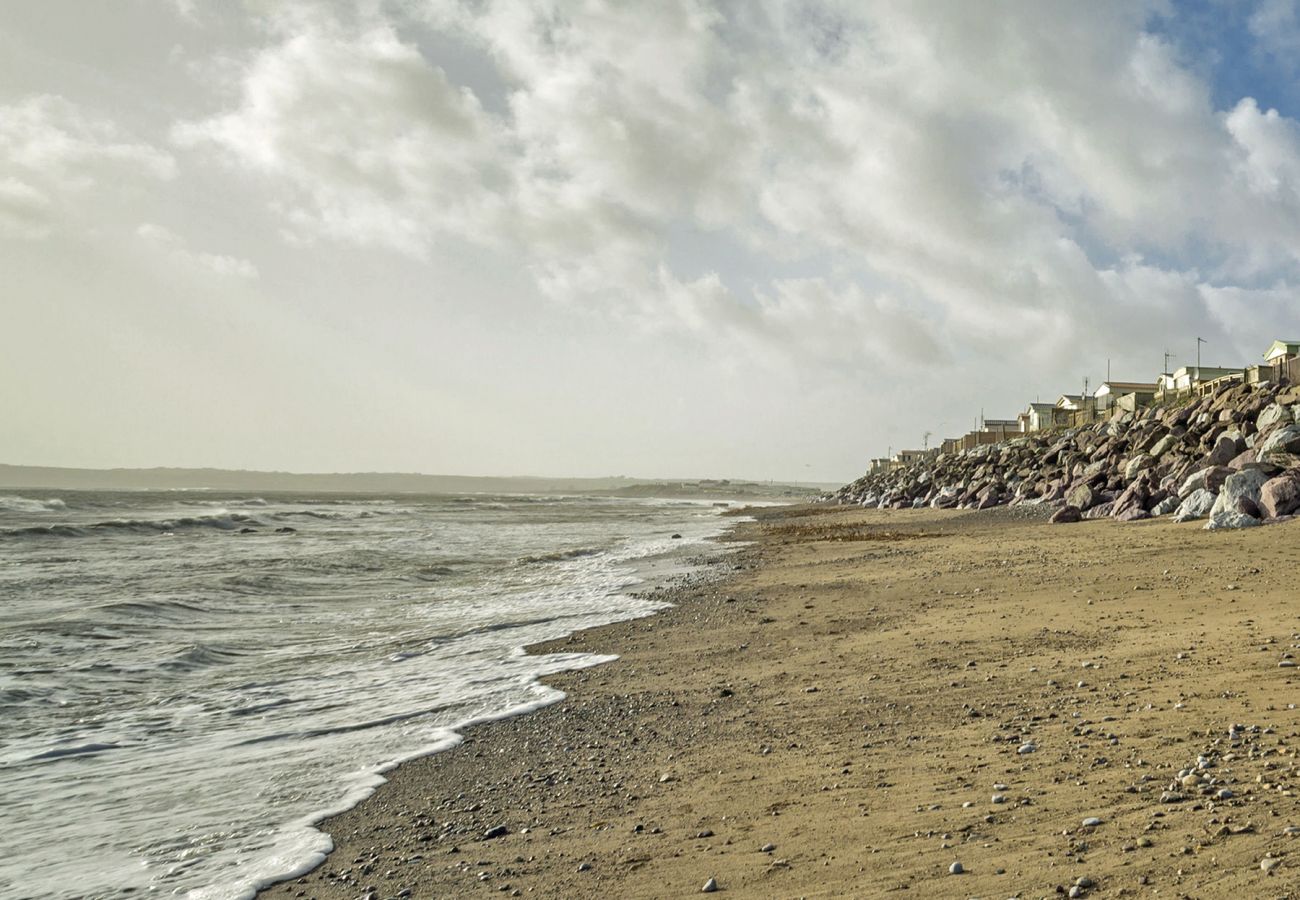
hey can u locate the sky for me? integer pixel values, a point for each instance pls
(750, 238)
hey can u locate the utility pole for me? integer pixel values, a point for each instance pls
(1199, 341)
(925, 441)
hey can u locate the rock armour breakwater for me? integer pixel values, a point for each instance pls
(1232, 457)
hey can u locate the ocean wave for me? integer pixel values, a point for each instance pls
(227, 522)
(201, 656)
(433, 573)
(311, 514)
(81, 750)
(172, 610)
(559, 556)
(24, 504)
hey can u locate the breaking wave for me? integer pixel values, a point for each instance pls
(560, 555)
(23, 504)
(228, 522)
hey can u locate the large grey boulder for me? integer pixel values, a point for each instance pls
(1197, 505)
(1284, 440)
(1245, 484)
(1137, 464)
(1081, 496)
(1230, 518)
(1163, 446)
(1165, 506)
(1273, 414)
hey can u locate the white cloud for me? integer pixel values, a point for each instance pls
(375, 145)
(948, 181)
(175, 247)
(52, 151)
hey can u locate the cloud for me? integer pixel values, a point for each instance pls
(175, 247)
(52, 151)
(374, 145)
(951, 181)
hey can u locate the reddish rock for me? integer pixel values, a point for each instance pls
(1280, 496)
(1242, 459)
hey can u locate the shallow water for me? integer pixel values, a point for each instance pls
(184, 689)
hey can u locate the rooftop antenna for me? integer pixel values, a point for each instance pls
(925, 440)
(1169, 356)
(1199, 341)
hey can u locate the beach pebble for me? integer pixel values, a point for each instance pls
(495, 831)
(584, 867)
(956, 869)
(709, 886)
(998, 798)
(1091, 822)
(1269, 863)
(1027, 747)
(767, 848)
(1224, 794)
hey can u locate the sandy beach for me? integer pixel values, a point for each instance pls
(859, 702)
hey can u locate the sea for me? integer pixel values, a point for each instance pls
(190, 681)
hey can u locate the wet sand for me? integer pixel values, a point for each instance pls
(848, 711)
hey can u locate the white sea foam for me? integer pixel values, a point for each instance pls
(23, 504)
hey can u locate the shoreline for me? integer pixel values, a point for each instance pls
(840, 715)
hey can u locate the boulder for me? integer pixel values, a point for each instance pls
(1132, 514)
(1280, 496)
(1223, 451)
(1196, 505)
(1244, 484)
(1230, 518)
(1081, 496)
(1133, 497)
(1137, 464)
(1100, 511)
(1242, 459)
(1066, 515)
(1284, 440)
(1210, 478)
(1163, 446)
(1273, 415)
(1248, 507)
(1165, 506)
